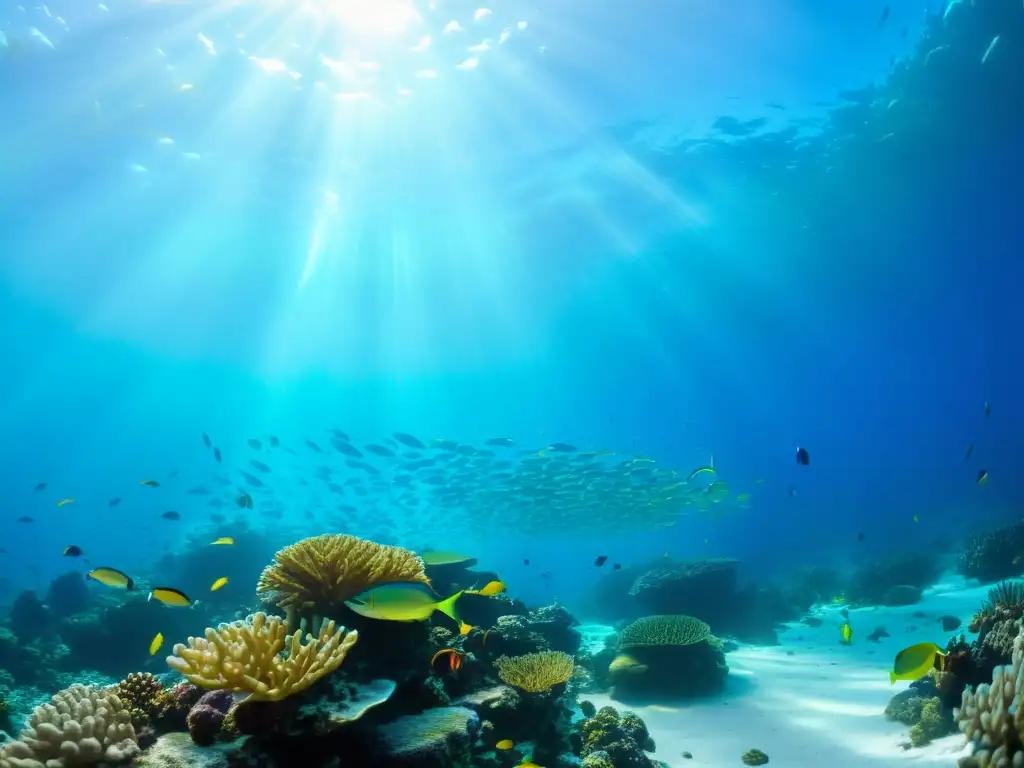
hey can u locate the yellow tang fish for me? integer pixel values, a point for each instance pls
(155, 645)
(914, 662)
(68, 500)
(505, 744)
(846, 633)
(490, 589)
(110, 577)
(219, 583)
(170, 596)
(465, 629)
(223, 540)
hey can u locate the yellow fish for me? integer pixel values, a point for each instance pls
(403, 602)
(846, 633)
(529, 764)
(465, 629)
(505, 744)
(170, 596)
(68, 500)
(914, 662)
(490, 589)
(110, 577)
(155, 645)
(626, 664)
(223, 540)
(219, 583)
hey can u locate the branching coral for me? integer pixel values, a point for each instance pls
(81, 726)
(664, 630)
(322, 572)
(536, 672)
(991, 717)
(243, 657)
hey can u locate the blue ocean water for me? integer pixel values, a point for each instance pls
(673, 230)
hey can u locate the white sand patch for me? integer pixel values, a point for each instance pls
(812, 701)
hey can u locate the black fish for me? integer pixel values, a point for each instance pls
(114, 501)
(216, 454)
(885, 16)
(26, 519)
(342, 446)
(803, 458)
(40, 486)
(72, 551)
(617, 567)
(526, 562)
(172, 515)
(601, 560)
(982, 476)
(206, 440)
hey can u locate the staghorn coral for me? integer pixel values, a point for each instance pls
(243, 657)
(664, 630)
(80, 726)
(322, 572)
(536, 672)
(991, 717)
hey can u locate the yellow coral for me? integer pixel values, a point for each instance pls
(322, 572)
(536, 672)
(143, 696)
(243, 657)
(664, 630)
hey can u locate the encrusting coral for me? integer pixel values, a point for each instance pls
(322, 572)
(992, 719)
(243, 657)
(536, 672)
(81, 726)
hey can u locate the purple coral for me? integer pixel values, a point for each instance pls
(204, 724)
(185, 696)
(219, 700)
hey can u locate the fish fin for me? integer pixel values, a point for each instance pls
(892, 678)
(447, 607)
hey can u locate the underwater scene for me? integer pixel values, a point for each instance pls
(507, 384)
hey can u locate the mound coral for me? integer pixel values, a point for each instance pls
(322, 572)
(610, 740)
(664, 630)
(440, 736)
(243, 657)
(536, 672)
(81, 726)
(990, 717)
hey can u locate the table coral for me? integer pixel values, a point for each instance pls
(244, 657)
(81, 726)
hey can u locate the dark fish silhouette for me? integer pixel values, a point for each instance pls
(171, 515)
(885, 16)
(803, 458)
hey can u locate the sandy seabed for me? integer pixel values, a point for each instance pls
(812, 702)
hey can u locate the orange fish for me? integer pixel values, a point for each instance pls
(455, 658)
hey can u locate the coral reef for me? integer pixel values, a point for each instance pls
(990, 716)
(320, 573)
(754, 757)
(436, 738)
(243, 657)
(921, 707)
(549, 628)
(673, 654)
(81, 726)
(611, 740)
(29, 617)
(205, 719)
(994, 555)
(67, 595)
(143, 696)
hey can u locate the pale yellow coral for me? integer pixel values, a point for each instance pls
(322, 572)
(991, 716)
(80, 726)
(536, 672)
(244, 657)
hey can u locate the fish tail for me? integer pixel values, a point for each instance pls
(892, 678)
(447, 607)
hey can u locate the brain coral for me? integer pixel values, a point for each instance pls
(664, 630)
(81, 726)
(322, 572)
